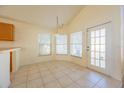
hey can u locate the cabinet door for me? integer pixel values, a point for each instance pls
(4, 70)
(6, 32)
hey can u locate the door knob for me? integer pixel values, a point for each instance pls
(87, 48)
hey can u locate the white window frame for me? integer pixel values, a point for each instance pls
(76, 43)
(61, 44)
(41, 44)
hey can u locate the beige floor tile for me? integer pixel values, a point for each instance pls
(45, 73)
(34, 76)
(40, 65)
(33, 71)
(61, 68)
(58, 75)
(33, 68)
(61, 74)
(67, 71)
(74, 77)
(55, 71)
(73, 85)
(44, 76)
(22, 68)
(37, 83)
(22, 85)
(53, 84)
(108, 82)
(96, 86)
(19, 80)
(48, 79)
(43, 69)
(84, 83)
(93, 77)
(20, 75)
(65, 81)
(21, 72)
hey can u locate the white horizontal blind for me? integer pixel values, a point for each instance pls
(76, 44)
(45, 44)
(61, 44)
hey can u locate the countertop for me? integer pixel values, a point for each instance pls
(4, 50)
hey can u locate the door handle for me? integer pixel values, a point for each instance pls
(87, 48)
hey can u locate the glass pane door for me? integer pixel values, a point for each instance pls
(96, 47)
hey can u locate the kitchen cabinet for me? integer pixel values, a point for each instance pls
(6, 32)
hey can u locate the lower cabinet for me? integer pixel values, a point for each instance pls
(9, 64)
(4, 70)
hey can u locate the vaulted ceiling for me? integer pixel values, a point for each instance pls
(41, 15)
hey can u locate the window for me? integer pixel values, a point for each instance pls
(45, 44)
(76, 44)
(61, 44)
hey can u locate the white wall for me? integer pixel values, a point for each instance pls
(26, 37)
(94, 15)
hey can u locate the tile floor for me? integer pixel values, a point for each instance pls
(61, 75)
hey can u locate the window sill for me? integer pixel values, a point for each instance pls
(61, 54)
(76, 56)
(45, 55)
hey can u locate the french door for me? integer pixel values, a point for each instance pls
(96, 47)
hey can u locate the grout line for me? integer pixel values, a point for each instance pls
(27, 80)
(69, 78)
(55, 78)
(98, 82)
(41, 77)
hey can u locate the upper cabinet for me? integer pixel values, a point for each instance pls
(6, 32)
